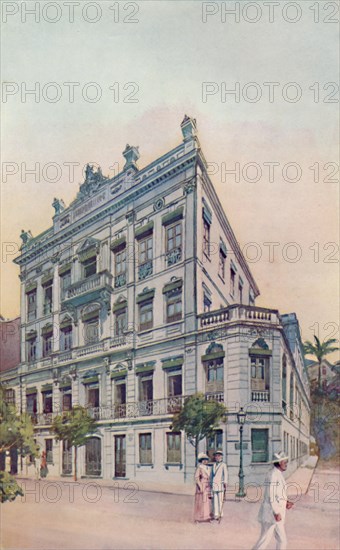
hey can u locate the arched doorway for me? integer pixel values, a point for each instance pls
(93, 457)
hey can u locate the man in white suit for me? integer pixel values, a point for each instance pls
(219, 479)
(273, 508)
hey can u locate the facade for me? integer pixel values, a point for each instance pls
(138, 296)
(9, 343)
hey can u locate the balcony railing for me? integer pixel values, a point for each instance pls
(260, 395)
(145, 270)
(174, 256)
(239, 312)
(92, 286)
(136, 409)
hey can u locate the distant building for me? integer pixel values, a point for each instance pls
(9, 343)
(327, 372)
(139, 295)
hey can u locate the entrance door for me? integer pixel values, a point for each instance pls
(67, 459)
(120, 456)
(93, 458)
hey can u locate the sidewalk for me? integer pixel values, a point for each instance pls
(298, 482)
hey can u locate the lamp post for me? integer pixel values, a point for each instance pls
(241, 418)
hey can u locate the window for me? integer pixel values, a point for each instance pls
(47, 401)
(284, 384)
(145, 257)
(49, 450)
(66, 399)
(174, 383)
(259, 378)
(259, 445)
(215, 375)
(232, 281)
(206, 238)
(10, 396)
(206, 303)
(174, 389)
(146, 315)
(145, 387)
(215, 442)
(173, 306)
(92, 396)
(32, 305)
(48, 288)
(65, 282)
(66, 338)
(89, 266)
(120, 398)
(173, 244)
(91, 330)
(31, 347)
(120, 321)
(173, 445)
(120, 268)
(221, 264)
(240, 292)
(291, 396)
(31, 403)
(145, 450)
(47, 344)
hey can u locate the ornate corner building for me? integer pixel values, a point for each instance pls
(138, 296)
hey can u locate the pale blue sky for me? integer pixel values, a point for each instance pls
(168, 54)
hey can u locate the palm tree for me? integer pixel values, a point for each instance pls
(320, 350)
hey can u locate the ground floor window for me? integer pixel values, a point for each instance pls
(145, 449)
(93, 457)
(173, 447)
(259, 445)
(49, 450)
(214, 443)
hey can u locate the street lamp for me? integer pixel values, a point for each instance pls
(241, 418)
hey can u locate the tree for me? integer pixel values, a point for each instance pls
(198, 418)
(74, 427)
(16, 432)
(320, 350)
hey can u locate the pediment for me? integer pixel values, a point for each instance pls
(88, 243)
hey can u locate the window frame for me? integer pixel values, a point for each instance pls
(146, 325)
(145, 454)
(88, 265)
(174, 455)
(265, 452)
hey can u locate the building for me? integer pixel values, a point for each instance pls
(139, 295)
(327, 372)
(9, 343)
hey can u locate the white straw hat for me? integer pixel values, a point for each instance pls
(278, 457)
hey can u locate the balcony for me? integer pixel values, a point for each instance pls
(239, 312)
(260, 395)
(88, 290)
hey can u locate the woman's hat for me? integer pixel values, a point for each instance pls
(202, 456)
(278, 457)
(218, 453)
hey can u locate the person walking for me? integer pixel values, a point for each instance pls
(43, 465)
(273, 508)
(202, 509)
(219, 479)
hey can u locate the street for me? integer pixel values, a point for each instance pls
(63, 515)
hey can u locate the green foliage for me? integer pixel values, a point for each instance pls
(74, 426)
(320, 350)
(16, 430)
(9, 488)
(325, 415)
(198, 418)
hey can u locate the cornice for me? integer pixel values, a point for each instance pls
(110, 208)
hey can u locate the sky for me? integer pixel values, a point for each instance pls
(261, 81)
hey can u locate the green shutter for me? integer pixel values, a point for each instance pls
(212, 356)
(118, 244)
(144, 230)
(118, 374)
(173, 217)
(144, 296)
